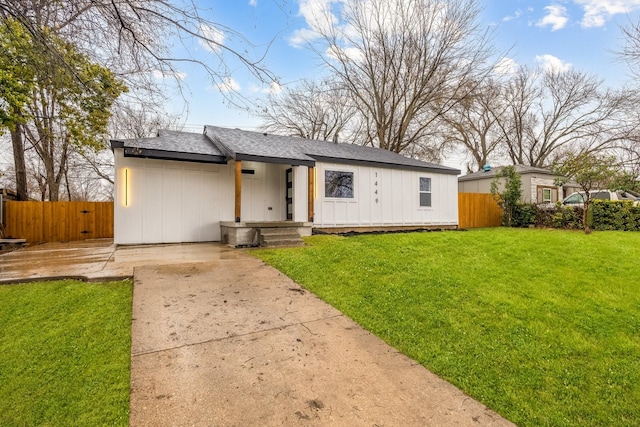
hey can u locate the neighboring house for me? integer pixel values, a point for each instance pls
(538, 184)
(227, 184)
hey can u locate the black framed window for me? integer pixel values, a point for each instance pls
(338, 184)
(425, 192)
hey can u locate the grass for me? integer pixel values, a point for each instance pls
(543, 326)
(65, 349)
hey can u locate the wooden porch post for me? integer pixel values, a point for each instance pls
(311, 193)
(238, 171)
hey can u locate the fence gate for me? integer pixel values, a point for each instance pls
(58, 221)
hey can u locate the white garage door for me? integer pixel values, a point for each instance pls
(168, 202)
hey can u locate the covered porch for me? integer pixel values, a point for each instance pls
(273, 203)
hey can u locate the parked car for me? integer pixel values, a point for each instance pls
(577, 199)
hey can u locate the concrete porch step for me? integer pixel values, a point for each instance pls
(281, 236)
(282, 242)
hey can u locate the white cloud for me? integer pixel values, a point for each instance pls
(553, 64)
(161, 75)
(318, 14)
(215, 38)
(597, 12)
(506, 66)
(353, 53)
(274, 88)
(516, 15)
(302, 36)
(253, 3)
(228, 85)
(556, 17)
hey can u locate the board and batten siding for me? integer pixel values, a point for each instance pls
(263, 191)
(386, 197)
(162, 201)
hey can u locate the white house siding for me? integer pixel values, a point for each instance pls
(161, 201)
(263, 192)
(300, 193)
(386, 197)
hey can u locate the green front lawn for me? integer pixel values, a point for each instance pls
(65, 351)
(542, 326)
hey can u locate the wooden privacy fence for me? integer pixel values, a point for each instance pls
(477, 210)
(58, 221)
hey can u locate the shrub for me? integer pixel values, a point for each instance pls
(524, 215)
(616, 215)
(568, 218)
(603, 215)
(509, 197)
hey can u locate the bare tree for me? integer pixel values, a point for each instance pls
(404, 63)
(519, 117)
(473, 123)
(629, 152)
(133, 36)
(554, 112)
(140, 121)
(314, 110)
(630, 52)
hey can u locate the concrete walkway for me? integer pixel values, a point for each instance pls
(221, 339)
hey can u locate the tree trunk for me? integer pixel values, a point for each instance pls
(585, 217)
(17, 141)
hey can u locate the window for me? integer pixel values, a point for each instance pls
(575, 198)
(600, 195)
(546, 195)
(425, 192)
(338, 184)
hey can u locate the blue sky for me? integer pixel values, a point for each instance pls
(572, 33)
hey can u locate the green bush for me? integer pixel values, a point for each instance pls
(603, 215)
(524, 215)
(558, 217)
(615, 215)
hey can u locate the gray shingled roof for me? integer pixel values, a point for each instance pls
(219, 144)
(245, 145)
(521, 169)
(175, 141)
(241, 144)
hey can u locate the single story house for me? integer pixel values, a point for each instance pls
(230, 185)
(538, 184)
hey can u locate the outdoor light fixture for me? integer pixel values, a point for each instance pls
(126, 187)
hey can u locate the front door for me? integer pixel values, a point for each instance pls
(289, 193)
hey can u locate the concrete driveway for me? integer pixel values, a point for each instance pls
(221, 339)
(100, 259)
